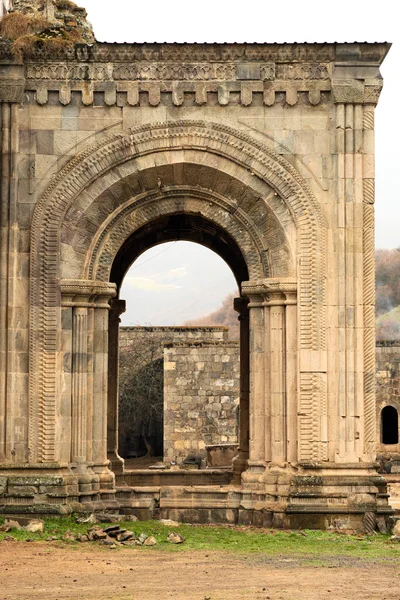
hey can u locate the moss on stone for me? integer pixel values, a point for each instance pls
(54, 25)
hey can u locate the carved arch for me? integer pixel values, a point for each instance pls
(210, 138)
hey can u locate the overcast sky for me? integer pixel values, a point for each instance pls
(250, 21)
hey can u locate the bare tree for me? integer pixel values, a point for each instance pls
(141, 395)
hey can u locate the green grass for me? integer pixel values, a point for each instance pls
(273, 543)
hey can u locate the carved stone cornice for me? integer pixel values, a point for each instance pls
(87, 294)
(133, 74)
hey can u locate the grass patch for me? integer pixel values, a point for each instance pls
(240, 540)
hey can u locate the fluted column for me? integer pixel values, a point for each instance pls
(240, 462)
(85, 306)
(273, 376)
(79, 385)
(276, 370)
(117, 308)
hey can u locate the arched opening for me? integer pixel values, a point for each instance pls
(390, 425)
(184, 403)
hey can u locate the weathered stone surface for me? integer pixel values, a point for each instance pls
(201, 398)
(263, 153)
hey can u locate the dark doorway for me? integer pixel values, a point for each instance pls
(390, 425)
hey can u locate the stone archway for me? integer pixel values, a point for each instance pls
(82, 220)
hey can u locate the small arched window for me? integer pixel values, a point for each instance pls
(390, 425)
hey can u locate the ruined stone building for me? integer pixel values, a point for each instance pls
(263, 153)
(200, 393)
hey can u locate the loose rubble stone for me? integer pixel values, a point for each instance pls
(108, 542)
(396, 528)
(169, 522)
(127, 535)
(11, 524)
(175, 538)
(90, 519)
(83, 538)
(143, 537)
(150, 541)
(35, 526)
(106, 518)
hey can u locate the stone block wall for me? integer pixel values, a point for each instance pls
(387, 388)
(201, 397)
(130, 335)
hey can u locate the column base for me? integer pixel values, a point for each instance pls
(55, 489)
(239, 465)
(116, 462)
(296, 496)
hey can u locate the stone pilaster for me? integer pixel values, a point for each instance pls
(355, 101)
(273, 376)
(85, 307)
(13, 376)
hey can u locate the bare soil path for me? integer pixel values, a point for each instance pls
(55, 572)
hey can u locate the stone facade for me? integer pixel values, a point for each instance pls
(262, 152)
(201, 397)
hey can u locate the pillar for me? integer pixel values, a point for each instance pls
(117, 308)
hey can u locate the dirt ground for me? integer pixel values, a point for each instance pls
(55, 572)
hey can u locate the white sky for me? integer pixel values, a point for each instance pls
(264, 21)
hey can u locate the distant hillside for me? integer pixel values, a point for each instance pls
(225, 315)
(388, 325)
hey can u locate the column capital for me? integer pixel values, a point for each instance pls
(241, 306)
(87, 294)
(272, 291)
(356, 92)
(117, 308)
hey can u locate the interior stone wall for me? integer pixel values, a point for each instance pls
(201, 397)
(130, 335)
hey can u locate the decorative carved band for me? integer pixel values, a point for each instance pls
(153, 204)
(133, 93)
(177, 71)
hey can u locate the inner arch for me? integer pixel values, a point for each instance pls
(179, 227)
